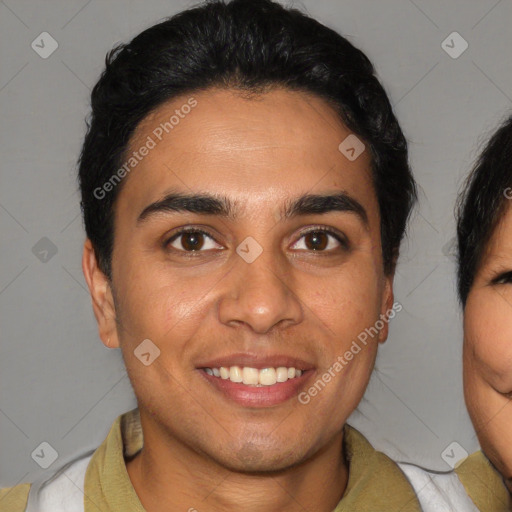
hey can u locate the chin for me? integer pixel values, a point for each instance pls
(252, 458)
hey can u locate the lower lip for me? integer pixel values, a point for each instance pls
(253, 396)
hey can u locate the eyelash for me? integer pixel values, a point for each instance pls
(344, 244)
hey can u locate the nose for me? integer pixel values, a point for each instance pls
(260, 295)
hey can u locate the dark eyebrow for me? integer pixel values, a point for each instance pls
(202, 204)
(318, 204)
(205, 204)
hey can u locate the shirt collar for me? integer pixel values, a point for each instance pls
(375, 482)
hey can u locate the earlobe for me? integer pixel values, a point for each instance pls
(101, 296)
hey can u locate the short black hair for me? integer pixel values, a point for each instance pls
(482, 203)
(250, 46)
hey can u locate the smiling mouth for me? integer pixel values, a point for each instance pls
(255, 377)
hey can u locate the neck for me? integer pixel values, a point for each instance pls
(167, 475)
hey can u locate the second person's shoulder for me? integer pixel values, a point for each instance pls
(484, 484)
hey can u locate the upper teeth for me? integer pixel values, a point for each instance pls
(253, 376)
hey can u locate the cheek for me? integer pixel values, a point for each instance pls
(156, 303)
(347, 301)
(488, 338)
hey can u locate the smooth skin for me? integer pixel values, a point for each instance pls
(488, 349)
(306, 295)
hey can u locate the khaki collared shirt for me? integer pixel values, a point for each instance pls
(483, 484)
(375, 482)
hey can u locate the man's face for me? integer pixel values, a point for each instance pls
(208, 298)
(488, 349)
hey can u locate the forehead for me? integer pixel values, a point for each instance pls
(263, 148)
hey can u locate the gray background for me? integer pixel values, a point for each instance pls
(58, 382)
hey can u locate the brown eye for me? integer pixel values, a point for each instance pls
(321, 240)
(316, 240)
(192, 240)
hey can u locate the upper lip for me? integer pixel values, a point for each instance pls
(258, 361)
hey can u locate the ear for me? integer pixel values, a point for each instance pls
(101, 295)
(386, 306)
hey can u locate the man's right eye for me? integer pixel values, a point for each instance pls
(192, 240)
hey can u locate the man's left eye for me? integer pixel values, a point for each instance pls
(319, 240)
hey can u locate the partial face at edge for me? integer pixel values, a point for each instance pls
(488, 349)
(261, 154)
